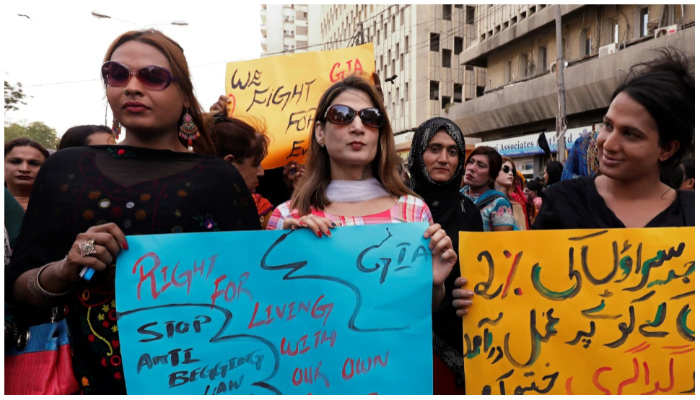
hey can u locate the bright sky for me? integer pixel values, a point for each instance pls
(63, 42)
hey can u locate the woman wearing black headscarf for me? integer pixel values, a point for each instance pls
(436, 163)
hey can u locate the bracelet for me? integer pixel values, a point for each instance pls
(35, 287)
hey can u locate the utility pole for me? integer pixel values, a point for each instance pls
(561, 94)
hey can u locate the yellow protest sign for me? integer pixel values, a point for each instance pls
(284, 91)
(580, 311)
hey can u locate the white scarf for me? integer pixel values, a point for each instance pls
(355, 191)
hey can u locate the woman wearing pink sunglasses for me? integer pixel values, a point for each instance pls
(86, 201)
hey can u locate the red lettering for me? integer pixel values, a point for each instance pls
(363, 367)
(288, 351)
(338, 76)
(348, 376)
(295, 381)
(255, 312)
(150, 275)
(358, 66)
(322, 309)
(187, 281)
(218, 293)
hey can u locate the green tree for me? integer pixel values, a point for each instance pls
(14, 96)
(37, 131)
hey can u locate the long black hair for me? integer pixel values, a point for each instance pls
(665, 87)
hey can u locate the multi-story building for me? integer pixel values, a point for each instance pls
(417, 50)
(290, 28)
(516, 44)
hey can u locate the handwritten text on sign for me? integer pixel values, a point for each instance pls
(580, 311)
(277, 312)
(284, 92)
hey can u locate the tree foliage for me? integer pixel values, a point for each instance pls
(14, 96)
(36, 131)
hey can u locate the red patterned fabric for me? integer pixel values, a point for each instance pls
(41, 372)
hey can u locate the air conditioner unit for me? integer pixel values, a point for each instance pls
(553, 66)
(666, 30)
(609, 49)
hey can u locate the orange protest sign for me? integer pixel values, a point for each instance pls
(283, 91)
(580, 311)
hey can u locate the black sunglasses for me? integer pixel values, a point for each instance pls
(339, 114)
(506, 169)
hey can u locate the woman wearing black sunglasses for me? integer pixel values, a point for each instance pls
(87, 199)
(352, 175)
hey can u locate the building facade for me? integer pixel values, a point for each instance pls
(290, 28)
(417, 50)
(516, 44)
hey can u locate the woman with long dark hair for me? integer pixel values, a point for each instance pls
(88, 199)
(352, 175)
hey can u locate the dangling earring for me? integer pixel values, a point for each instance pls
(116, 128)
(188, 130)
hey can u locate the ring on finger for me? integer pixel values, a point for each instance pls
(87, 248)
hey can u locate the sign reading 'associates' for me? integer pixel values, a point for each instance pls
(527, 145)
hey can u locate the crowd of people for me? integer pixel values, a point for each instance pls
(75, 208)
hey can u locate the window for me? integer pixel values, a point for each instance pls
(388, 55)
(458, 93)
(402, 10)
(393, 24)
(434, 90)
(393, 67)
(459, 5)
(524, 59)
(468, 68)
(614, 31)
(397, 49)
(543, 58)
(402, 108)
(459, 43)
(643, 21)
(446, 100)
(405, 45)
(385, 31)
(434, 42)
(401, 62)
(447, 12)
(507, 75)
(381, 61)
(446, 58)
(587, 42)
(393, 111)
(405, 92)
(480, 91)
(397, 96)
(470, 14)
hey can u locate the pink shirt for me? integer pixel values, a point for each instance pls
(407, 209)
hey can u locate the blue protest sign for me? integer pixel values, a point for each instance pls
(277, 312)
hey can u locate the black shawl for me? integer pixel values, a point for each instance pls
(454, 212)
